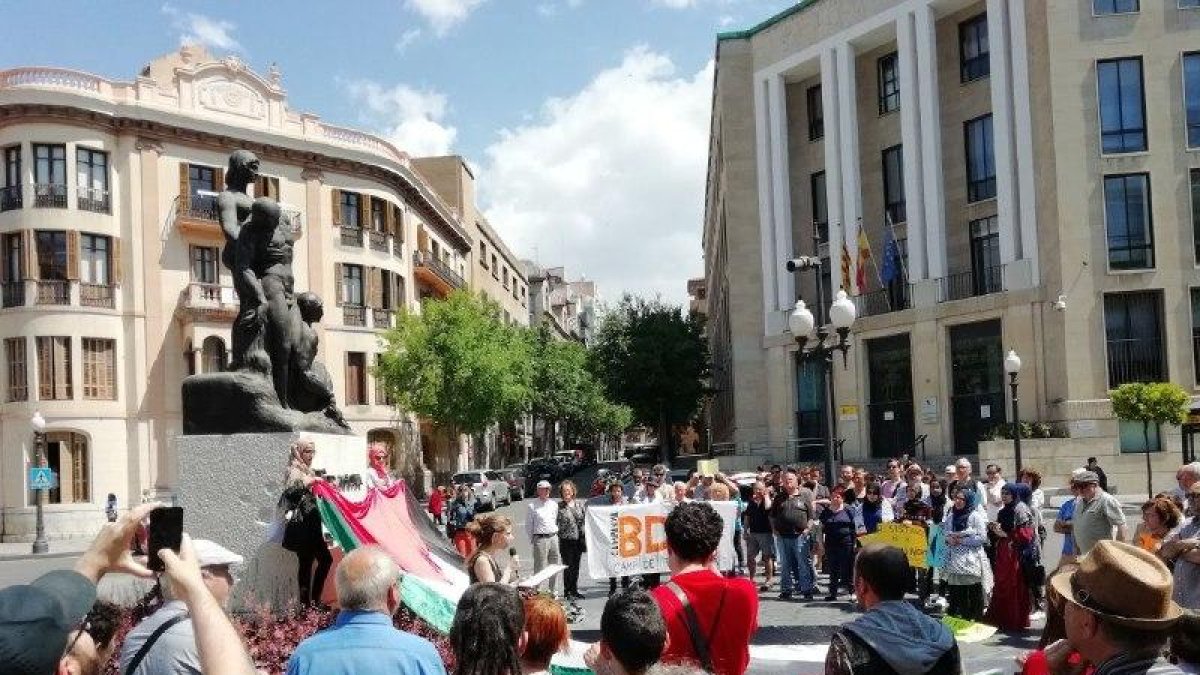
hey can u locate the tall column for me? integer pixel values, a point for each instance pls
(932, 180)
(910, 136)
(781, 192)
(766, 201)
(1023, 137)
(155, 323)
(319, 269)
(831, 110)
(848, 144)
(1002, 136)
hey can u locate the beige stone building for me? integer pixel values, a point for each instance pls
(1034, 164)
(113, 288)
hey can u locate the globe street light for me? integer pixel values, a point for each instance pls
(1012, 366)
(39, 428)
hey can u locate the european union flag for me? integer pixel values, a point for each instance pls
(891, 257)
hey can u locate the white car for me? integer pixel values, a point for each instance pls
(490, 489)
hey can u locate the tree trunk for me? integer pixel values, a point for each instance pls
(1149, 471)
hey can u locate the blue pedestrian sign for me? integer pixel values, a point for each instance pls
(41, 478)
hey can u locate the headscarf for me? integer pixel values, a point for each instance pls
(378, 466)
(296, 462)
(959, 517)
(1008, 513)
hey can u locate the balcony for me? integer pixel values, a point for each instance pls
(94, 200)
(354, 315)
(884, 300)
(97, 295)
(10, 198)
(381, 318)
(398, 247)
(209, 303)
(351, 236)
(1135, 360)
(198, 215)
(436, 274)
(971, 284)
(50, 195)
(378, 240)
(53, 292)
(13, 293)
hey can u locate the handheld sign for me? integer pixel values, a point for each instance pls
(909, 538)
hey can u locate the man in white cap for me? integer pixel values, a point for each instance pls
(541, 523)
(165, 641)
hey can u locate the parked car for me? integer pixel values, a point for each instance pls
(566, 462)
(541, 469)
(491, 491)
(516, 482)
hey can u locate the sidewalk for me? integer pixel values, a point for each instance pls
(59, 548)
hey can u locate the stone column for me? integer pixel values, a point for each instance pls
(317, 236)
(1002, 130)
(833, 158)
(848, 146)
(911, 109)
(932, 180)
(1023, 137)
(785, 289)
(149, 240)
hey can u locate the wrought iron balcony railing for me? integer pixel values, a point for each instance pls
(984, 281)
(94, 200)
(14, 293)
(440, 268)
(378, 240)
(53, 292)
(10, 198)
(351, 236)
(50, 195)
(96, 295)
(354, 315)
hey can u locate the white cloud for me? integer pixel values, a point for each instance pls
(203, 30)
(414, 120)
(407, 38)
(443, 15)
(609, 181)
(674, 4)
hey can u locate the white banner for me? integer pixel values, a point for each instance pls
(629, 540)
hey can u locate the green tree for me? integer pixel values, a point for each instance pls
(457, 364)
(1154, 403)
(652, 358)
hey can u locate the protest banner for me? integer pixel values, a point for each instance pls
(909, 538)
(628, 540)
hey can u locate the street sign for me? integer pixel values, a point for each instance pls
(42, 478)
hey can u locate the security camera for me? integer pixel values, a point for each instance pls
(1060, 305)
(802, 263)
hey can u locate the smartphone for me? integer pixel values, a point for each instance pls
(165, 531)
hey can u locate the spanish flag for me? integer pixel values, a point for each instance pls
(864, 258)
(846, 269)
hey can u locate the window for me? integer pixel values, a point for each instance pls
(50, 175)
(10, 196)
(889, 84)
(1122, 105)
(212, 355)
(99, 369)
(893, 183)
(378, 215)
(94, 260)
(1102, 7)
(1133, 332)
(985, 256)
(1133, 437)
(1191, 96)
(981, 163)
(52, 255)
(356, 378)
(91, 179)
(14, 256)
(820, 209)
(1128, 221)
(204, 264)
(18, 377)
(816, 113)
(483, 254)
(201, 179)
(67, 455)
(267, 186)
(974, 59)
(1195, 337)
(350, 206)
(504, 276)
(54, 368)
(352, 285)
(1189, 4)
(494, 266)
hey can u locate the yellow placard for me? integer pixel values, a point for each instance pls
(707, 467)
(911, 539)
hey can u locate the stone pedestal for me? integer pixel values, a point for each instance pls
(229, 488)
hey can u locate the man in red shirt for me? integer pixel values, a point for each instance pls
(720, 614)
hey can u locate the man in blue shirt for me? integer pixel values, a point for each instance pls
(363, 641)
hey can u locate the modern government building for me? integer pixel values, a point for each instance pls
(1032, 170)
(112, 285)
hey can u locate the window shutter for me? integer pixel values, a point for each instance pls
(400, 301)
(336, 195)
(337, 283)
(73, 254)
(364, 212)
(398, 223)
(349, 381)
(185, 196)
(115, 265)
(219, 180)
(389, 219)
(374, 287)
(29, 267)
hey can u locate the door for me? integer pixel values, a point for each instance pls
(890, 407)
(977, 378)
(811, 427)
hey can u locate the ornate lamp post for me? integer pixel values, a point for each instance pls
(39, 439)
(801, 322)
(1012, 366)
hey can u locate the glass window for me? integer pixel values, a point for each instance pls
(1195, 177)
(54, 368)
(350, 201)
(974, 57)
(1189, 4)
(52, 255)
(1196, 334)
(981, 163)
(50, 164)
(204, 264)
(1128, 220)
(94, 261)
(99, 369)
(893, 183)
(12, 166)
(212, 355)
(820, 209)
(352, 285)
(378, 215)
(1133, 333)
(1102, 7)
(201, 179)
(14, 255)
(889, 84)
(1122, 105)
(816, 114)
(1191, 96)
(91, 169)
(483, 254)
(985, 256)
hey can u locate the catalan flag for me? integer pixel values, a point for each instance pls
(846, 269)
(864, 258)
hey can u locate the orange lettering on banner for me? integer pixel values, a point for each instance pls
(628, 529)
(652, 545)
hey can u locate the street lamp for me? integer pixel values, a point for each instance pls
(39, 440)
(1012, 366)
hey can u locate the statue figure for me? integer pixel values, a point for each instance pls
(312, 388)
(233, 208)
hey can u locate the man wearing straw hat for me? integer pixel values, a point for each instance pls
(1119, 612)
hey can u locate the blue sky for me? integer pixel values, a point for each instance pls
(586, 120)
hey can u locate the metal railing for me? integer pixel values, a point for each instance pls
(96, 295)
(427, 259)
(200, 207)
(93, 199)
(1135, 360)
(381, 318)
(53, 292)
(378, 241)
(14, 293)
(884, 300)
(11, 198)
(354, 315)
(971, 284)
(351, 236)
(398, 247)
(50, 195)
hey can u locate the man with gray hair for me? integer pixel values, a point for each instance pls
(363, 640)
(1187, 476)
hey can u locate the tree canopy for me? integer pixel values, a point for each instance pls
(1155, 403)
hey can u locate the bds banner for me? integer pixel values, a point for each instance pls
(629, 539)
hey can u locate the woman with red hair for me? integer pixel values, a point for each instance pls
(545, 634)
